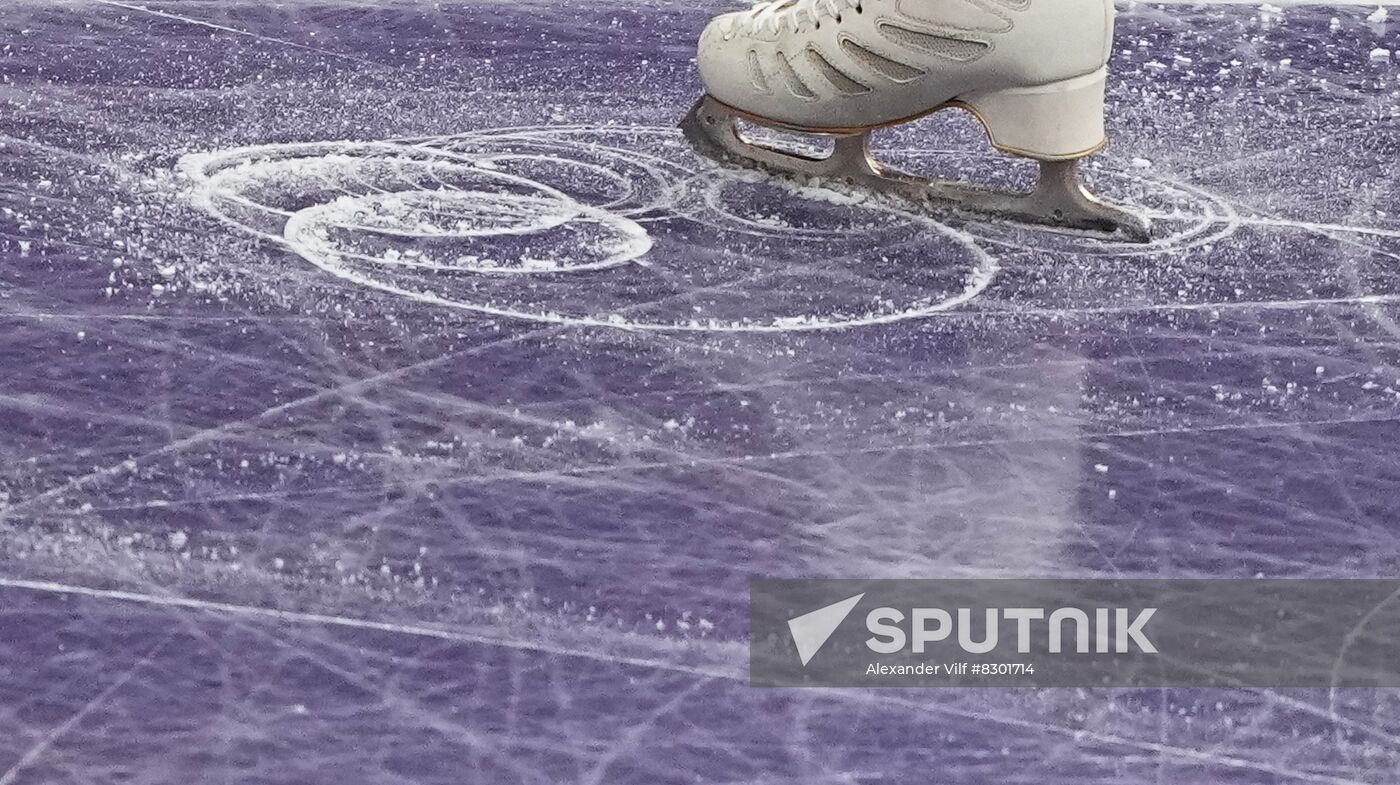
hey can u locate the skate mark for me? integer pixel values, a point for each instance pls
(234, 31)
(580, 226)
(1321, 228)
(548, 224)
(731, 671)
(205, 435)
(1185, 754)
(46, 742)
(1184, 216)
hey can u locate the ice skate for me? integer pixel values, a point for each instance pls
(1033, 72)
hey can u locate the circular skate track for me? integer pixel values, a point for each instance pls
(625, 227)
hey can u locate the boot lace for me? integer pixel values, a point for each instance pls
(774, 14)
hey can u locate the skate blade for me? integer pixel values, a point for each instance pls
(1059, 201)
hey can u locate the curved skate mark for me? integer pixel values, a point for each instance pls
(635, 160)
(414, 221)
(658, 183)
(1184, 216)
(1188, 216)
(546, 224)
(387, 205)
(725, 209)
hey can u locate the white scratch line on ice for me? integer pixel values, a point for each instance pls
(1181, 753)
(1352, 635)
(37, 751)
(349, 622)
(1199, 756)
(1285, 223)
(234, 30)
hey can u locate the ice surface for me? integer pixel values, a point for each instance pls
(390, 396)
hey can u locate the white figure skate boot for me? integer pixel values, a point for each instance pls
(1032, 71)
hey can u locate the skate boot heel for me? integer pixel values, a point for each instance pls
(1059, 121)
